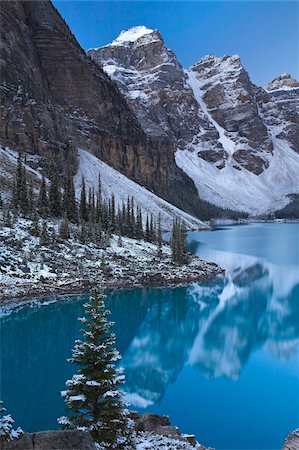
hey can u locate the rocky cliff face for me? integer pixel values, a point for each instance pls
(279, 108)
(55, 99)
(229, 97)
(153, 82)
(227, 131)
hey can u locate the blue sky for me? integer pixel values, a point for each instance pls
(264, 33)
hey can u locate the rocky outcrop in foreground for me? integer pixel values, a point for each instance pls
(52, 440)
(292, 441)
(152, 432)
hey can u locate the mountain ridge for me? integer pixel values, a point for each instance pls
(55, 99)
(229, 123)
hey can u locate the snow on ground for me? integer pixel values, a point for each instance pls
(113, 182)
(150, 441)
(241, 189)
(28, 268)
(8, 163)
(195, 84)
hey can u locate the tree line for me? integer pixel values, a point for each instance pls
(92, 218)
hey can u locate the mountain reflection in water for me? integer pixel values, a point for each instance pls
(214, 327)
(220, 358)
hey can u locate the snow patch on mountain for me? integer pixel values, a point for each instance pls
(242, 190)
(131, 35)
(115, 183)
(195, 84)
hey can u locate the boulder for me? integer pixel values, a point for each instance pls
(52, 440)
(292, 441)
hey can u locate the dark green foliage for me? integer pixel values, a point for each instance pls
(54, 195)
(82, 233)
(291, 211)
(147, 229)
(44, 235)
(69, 204)
(23, 202)
(34, 229)
(92, 396)
(112, 218)
(31, 202)
(159, 237)
(20, 190)
(83, 213)
(42, 202)
(139, 225)
(64, 228)
(152, 229)
(179, 243)
(7, 218)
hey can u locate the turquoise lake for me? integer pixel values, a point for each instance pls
(221, 358)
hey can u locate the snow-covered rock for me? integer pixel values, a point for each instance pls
(115, 183)
(153, 82)
(237, 142)
(282, 82)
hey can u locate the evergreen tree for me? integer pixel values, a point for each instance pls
(7, 433)
(112, 214)
(100, 188)
(179, 243)
(14, 199)
(91, 207)
(82, 233)
(31, 202)
(105, 216)
(64, 227)
(159, 237)
(23, 193)
(83, 213)
(54, 195)
(53, 236)
(147, 230)
(44, 235)
(34, 229)
(7, 218)
(183, 243)
(18, 181)
(42, 202)
(69, 199)
(152, 229)
(1, 201)
(73, 209)
(139, 225)
(92, 396)
(123, 220)
(129, 221)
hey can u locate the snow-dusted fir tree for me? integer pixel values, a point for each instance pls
(93, 398)
(7, 433)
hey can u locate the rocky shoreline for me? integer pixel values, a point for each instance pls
(82, 286)
(31, 271)
(149, 431)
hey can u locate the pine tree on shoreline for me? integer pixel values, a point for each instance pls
(93, 400)
(179, 251)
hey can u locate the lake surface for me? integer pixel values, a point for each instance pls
(221, 358)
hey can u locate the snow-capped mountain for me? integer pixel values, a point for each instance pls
(239, 143)
(55, 99)
(153, 82)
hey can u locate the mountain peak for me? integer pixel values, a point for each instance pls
(283, 82)
(131, 35)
